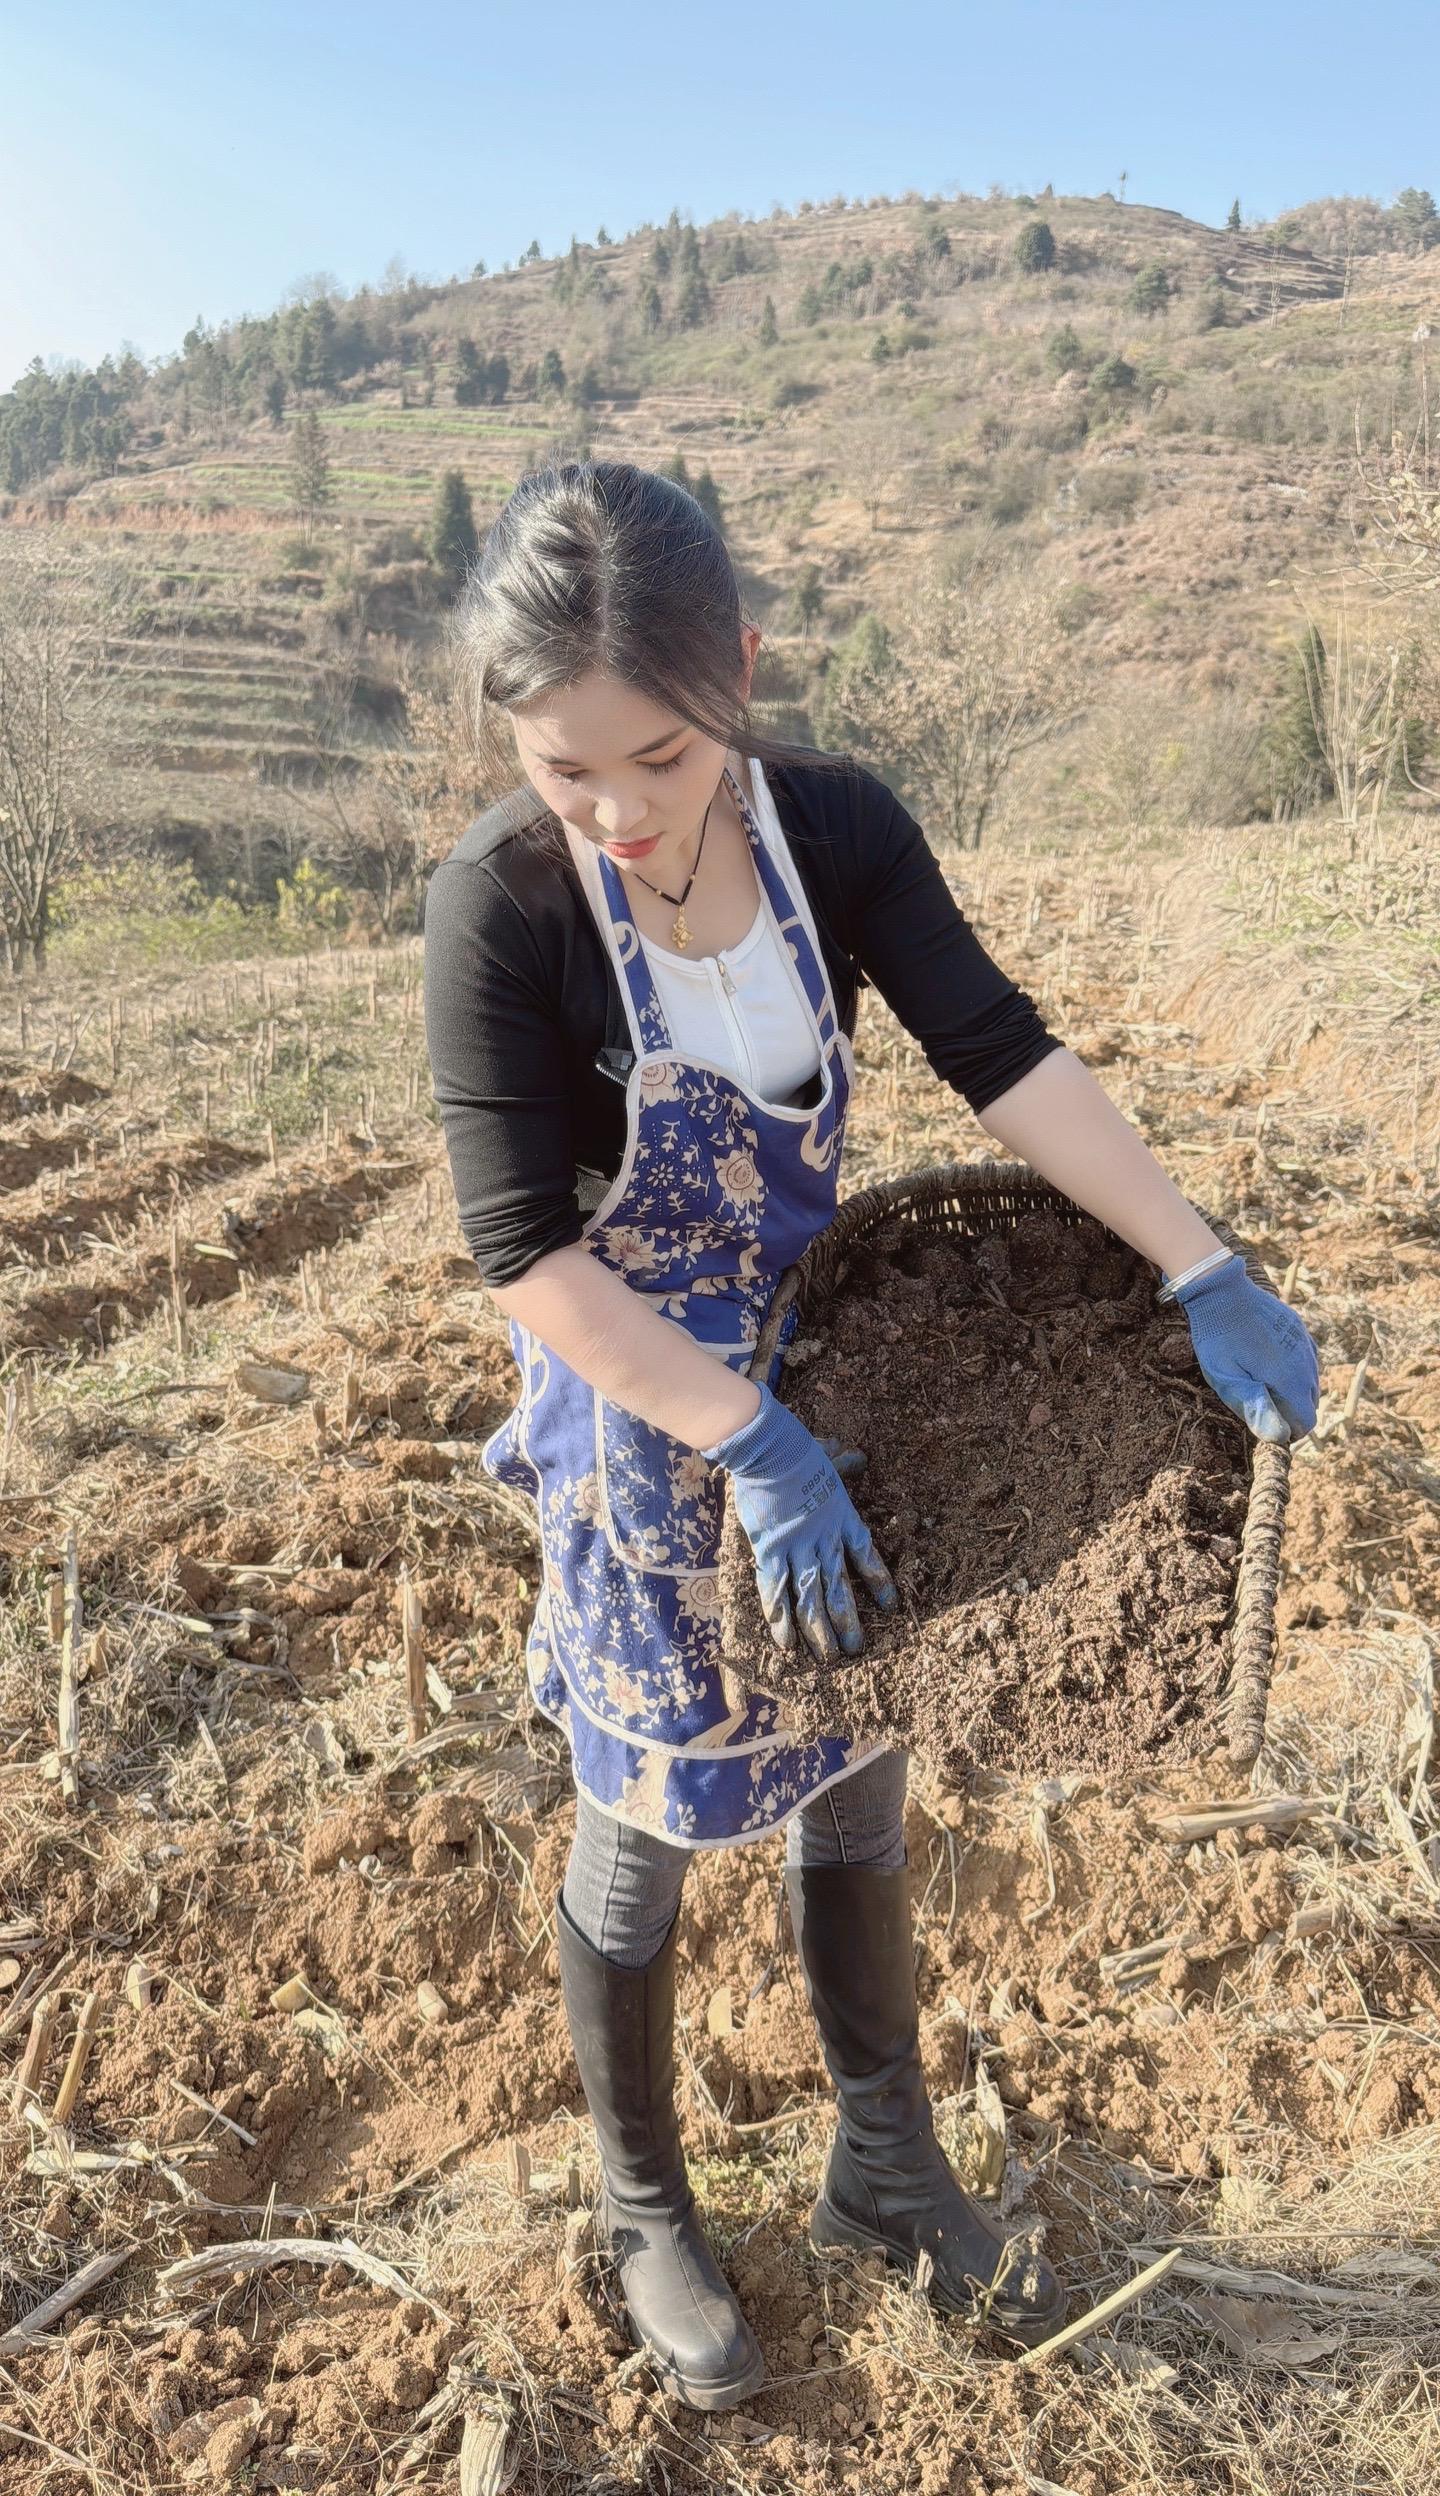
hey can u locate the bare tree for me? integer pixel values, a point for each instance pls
(332, 792)
(1357, 703)
(978, 669)
(381, 800)
(1399, 491)
(877, 457)
(1397, 554)
(1127, 760)
(64, 615)
(430, 781)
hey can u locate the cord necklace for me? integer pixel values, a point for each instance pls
(680, 932)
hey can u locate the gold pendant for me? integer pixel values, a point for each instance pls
(680, 932)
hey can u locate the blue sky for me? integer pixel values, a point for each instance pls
(162, 160)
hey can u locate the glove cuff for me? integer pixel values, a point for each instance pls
(1202, 1278)
(752, 1439)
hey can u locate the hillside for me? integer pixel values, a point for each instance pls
(921, 391)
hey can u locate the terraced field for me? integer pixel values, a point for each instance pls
(1237, 440)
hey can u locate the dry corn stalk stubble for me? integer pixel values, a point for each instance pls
(1254, 2064)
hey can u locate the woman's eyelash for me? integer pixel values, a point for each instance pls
(673, 765)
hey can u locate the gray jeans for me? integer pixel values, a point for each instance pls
(622, 1885)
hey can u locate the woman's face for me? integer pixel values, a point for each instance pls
(632, 777)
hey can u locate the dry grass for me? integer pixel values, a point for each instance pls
(1318, 953)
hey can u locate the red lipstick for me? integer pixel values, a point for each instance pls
(633, 849)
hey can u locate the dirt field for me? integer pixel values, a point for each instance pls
(329, 2129)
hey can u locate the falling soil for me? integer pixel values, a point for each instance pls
(1057, 1493)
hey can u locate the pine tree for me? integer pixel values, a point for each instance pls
(313, 347)
(1113, 378)
(1299, 773)
(552, 371)
(1416, 219)
(769, 327)
(453, 543)
(731, 259)
(470, 374)
(1212, 304)
(1233, 220)
(1035, 248)
(652, 311)
(707, 495)
(692, 304)
(310, 486)
(1150, 290)
(807, 599)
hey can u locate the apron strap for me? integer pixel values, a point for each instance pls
(790, 920)
(647, 1014)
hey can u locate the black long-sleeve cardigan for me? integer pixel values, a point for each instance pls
(528, 1042)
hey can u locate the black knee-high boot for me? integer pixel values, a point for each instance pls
(678, 2301)
(888, 2185)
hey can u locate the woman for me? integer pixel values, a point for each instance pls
(640, 984)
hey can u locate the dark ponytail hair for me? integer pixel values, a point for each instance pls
(598, 564)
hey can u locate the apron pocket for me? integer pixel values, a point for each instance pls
(660, 1503)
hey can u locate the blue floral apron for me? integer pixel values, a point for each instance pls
(718, 1192)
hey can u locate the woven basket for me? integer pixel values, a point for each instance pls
(972, 1200)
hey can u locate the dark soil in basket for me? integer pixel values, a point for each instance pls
(1056, 1491)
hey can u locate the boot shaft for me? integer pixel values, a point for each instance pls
(622, 2032)
(853, 1937)
(678, 2303)
(887, 2181)
(852, 1927)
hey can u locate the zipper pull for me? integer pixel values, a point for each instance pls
(726, 982)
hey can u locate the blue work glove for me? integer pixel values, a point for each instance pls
(1254, 1350)
(803, 1530)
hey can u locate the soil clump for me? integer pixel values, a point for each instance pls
(1056, 1491)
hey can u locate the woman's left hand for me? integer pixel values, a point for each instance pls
(1254, 1350)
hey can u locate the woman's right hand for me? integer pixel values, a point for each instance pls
(803, 1529)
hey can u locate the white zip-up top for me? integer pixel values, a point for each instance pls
(743, 1009)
